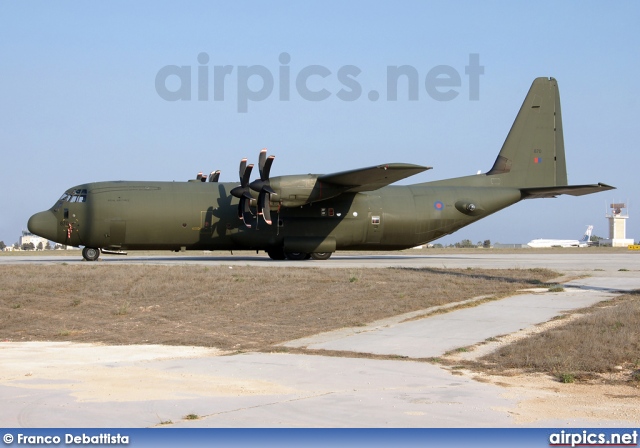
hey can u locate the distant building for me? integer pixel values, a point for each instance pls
(28, 237)
(510, 246)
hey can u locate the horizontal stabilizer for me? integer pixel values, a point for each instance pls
(372, 178)
(573, 190)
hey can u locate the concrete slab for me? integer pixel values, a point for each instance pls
(435, 335)
(241, 391)
(297, 391)
(615, 284)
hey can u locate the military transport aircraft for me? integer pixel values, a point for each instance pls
(313, 215)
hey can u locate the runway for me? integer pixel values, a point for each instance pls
(571, 260)
(45, 384)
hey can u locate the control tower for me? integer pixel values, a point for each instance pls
(617, 227)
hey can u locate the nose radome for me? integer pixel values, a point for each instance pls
(43, 224)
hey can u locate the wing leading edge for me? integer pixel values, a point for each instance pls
(372, 178)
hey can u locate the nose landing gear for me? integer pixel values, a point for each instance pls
(90, 253)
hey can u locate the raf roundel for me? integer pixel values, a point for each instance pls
(438, 205)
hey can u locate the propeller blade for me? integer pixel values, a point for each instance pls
(264, 163)
(263, 206)
(214, 176)
(240, 207)
(262, 158)
(246, 176)
(243, 189)
(245, 212)
(264, 173)
(243, 166)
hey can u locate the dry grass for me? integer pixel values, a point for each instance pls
(254, 308)
(241, 308)
(605, 339)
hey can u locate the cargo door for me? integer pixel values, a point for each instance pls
(117, 232)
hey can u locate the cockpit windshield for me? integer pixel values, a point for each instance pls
(77, 195)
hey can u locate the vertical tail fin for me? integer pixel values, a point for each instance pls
(533, 153)
(587, 234)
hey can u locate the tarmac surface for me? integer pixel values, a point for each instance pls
(570, 260)
(45, 384)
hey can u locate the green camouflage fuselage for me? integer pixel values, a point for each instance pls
(194, 215)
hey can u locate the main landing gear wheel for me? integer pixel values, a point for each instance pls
(296, 255)
(320, 255)
(90, 253)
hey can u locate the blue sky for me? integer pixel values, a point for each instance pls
(79, 101)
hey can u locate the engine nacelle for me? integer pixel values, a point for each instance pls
(298, 190)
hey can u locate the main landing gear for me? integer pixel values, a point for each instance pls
(280, 254)
(320, 255)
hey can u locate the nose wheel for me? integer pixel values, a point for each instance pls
(90, 253)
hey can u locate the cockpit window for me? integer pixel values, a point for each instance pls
(78, 195)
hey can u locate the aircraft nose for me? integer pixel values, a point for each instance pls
(43, 224)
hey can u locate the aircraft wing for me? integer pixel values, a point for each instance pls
(573, 190)
(372, 178)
